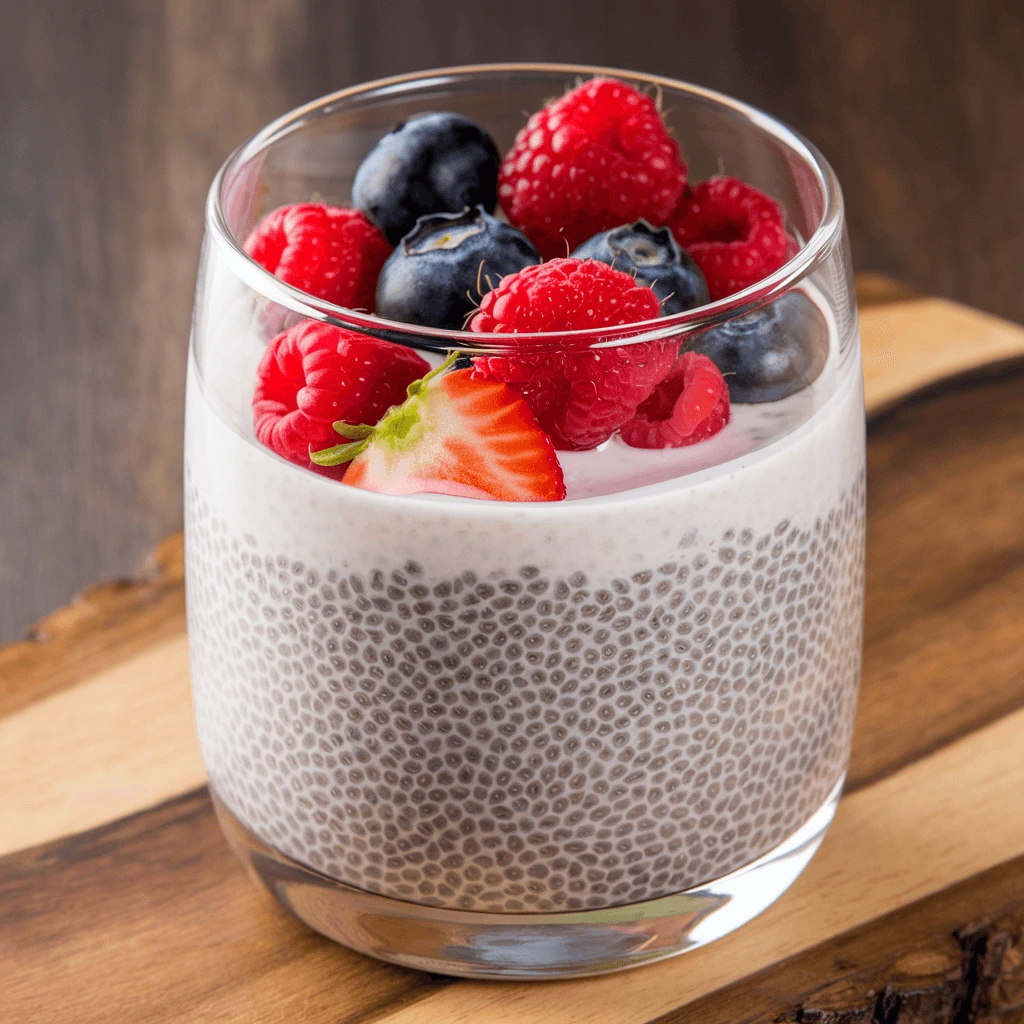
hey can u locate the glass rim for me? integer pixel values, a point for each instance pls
(810, 255)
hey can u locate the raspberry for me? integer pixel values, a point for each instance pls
(328, 251)
(314, 374)
(735, 234)
(597, 158)
(580, 396)
(691, 404)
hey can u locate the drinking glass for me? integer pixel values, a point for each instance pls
(499, 739)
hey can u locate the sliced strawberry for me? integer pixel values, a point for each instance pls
(689, 405)
(453, 435)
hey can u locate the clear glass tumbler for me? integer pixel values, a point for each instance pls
(525, 739)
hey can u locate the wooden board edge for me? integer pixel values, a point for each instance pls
(112, 834)
(106, 624)
(910, 346)
(100, 766)
(873, 289)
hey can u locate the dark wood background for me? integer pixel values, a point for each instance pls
(114, 116)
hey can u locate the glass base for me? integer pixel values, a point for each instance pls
(469, 944)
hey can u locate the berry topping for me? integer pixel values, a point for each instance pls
(436, 163)
(328, 251)
(441, 268)
(691, 404)
(314, 374)
(735, 234)
(598, 157)
(579, 395)
(652, 257)
(771, 353)
(452, 435)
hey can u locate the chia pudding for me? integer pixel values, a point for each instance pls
(546, 707)
(519, 706)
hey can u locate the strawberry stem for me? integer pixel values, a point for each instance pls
(417, 386)
(353, 431)
(338, 455)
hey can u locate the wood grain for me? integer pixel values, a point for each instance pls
(945, 566)
(912, 344)
(114, 117)
(121, 740)
(175, 932)
(962, 945)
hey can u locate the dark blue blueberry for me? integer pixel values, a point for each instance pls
(440, 269)
(653, 257)
(771, 353)
(435, 163)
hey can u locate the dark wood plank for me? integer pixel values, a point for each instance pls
(174, 931)
(945, 566)
(114, 117)
(955, 956)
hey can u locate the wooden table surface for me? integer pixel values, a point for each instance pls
(115, 115)
(119, 899)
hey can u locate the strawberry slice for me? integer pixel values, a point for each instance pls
(452, 435)
(691, 404)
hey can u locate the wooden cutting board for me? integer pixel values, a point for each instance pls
(119, 900)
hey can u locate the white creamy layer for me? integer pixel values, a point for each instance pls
(627, 508)
(324, 523)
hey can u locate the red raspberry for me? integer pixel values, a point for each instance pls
(580, 396)
(735, 234)
(597, 158)
(689, 405)
(314, 374)
(327, 251)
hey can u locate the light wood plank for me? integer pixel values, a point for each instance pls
(116, 743)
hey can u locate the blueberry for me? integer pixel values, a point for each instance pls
(652, 256)
(442, 267)
(435, 163)
(771, 353)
